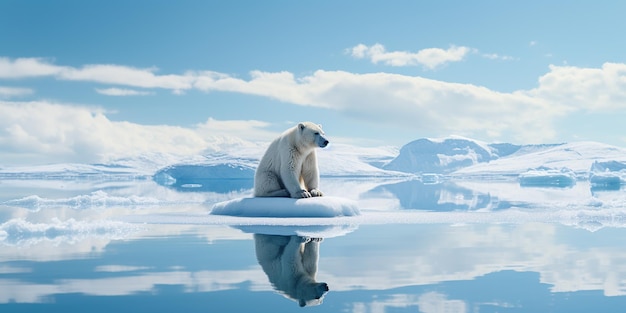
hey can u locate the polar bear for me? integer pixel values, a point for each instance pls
(290, 263)
(289, 166)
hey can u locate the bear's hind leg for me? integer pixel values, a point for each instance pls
(267, 184)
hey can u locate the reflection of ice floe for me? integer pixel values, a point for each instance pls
(24, 233)
(313, 231)
(587, 216)
(548, 177)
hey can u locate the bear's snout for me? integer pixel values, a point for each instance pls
(324, 143)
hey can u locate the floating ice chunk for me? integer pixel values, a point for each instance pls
(608, 166)
(607, 175)
(287, 207)
(97, 199)
(608, 180)
(543, 176)
(164, 179)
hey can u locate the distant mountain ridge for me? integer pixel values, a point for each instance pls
(430, 156)
(467, 157)
(453, 156)
(444, 156)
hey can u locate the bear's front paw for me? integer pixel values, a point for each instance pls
(301, 239)
(316, 193)
(302, 194)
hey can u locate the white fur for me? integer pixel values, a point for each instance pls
(289, 166)
(290, 263)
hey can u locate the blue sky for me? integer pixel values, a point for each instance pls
(81, 81)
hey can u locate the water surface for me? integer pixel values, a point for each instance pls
(470, 246)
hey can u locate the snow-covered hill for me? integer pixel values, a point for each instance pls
(446, 155)
(335, 161)
(440, 156)
(454, 157)
(458, 157)
(577, 157)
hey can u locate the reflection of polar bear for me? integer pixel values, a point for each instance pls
(289, 166)
(290, 263)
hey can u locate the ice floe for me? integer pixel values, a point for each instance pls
(548, 177)
(287, 207)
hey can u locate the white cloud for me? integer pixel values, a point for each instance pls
(409, 102)
(588, 89)
(122, 92)
(423, 104)
(27, 67)
(413, 102)
(9, 92)
(495, 56)
(43, 132)
(99, 73)
(128, 76)
(237, 128)
(430, 58)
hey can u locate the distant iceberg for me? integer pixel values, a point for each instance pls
(220, 173)
(442, 156)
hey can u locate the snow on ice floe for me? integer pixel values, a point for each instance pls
(287, 207)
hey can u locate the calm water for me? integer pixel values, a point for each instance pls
(447, 247)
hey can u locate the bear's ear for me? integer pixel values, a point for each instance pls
(319, 125)
(301, 126)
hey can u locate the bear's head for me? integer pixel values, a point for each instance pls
(311, 294)
(312, 135)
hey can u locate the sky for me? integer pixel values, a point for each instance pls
(91, 81)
